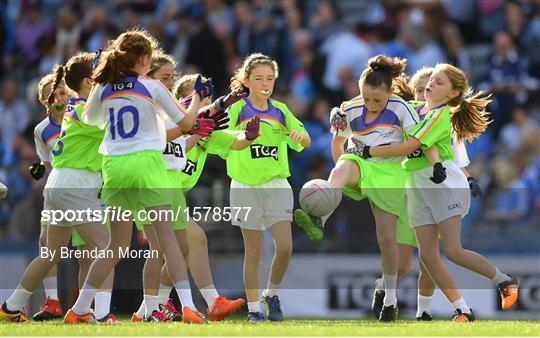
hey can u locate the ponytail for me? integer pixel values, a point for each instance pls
(470, 118)
(122, 56)
(401, 88)
(58, 74)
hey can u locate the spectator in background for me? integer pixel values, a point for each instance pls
(511, 201)
(491, 17)
(456, 53)
(51, 55)
(130, 19)
(97, 30)
(243, 30)
(318, 127)
(68, 31)
(7, 37)
(421, 49)
(463, 14)
(346, 52)
(181, 34)
(324, 22)
(28, 33)
(512, 133)
(220, 17)
(14, 113)
(383, 38)
(531, 42)
(507, 80)
(515, 22)
(301, 84)
(206, 52)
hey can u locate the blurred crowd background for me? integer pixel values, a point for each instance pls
(321, 47)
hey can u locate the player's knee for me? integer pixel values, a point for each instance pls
(429, 259)
(103, 243)
(284, 250)
(454, 254)
(197, 239)
(341, 169)
(254, 254)
(386, 242)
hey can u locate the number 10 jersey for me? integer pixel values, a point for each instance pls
(128, 111)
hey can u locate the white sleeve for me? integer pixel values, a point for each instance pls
(42, 150)
(92, 113)
(164, 99)
(461, 158)
(409, 118)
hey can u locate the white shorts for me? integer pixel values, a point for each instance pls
(430, 203)
(73, 192)
(263, 205)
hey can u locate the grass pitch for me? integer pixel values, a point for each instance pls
(287, 328)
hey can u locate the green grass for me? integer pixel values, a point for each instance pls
(287, 328)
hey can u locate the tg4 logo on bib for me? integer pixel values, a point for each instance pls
(260, 151)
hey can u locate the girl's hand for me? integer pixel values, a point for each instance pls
(252, 128)
(296, 136)
(439, 173)
(359, 149)
(202, 127)
(225, 101)
(338, 119)
(221, 118)
(203, 88)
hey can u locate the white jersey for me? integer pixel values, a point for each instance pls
(46, 134)
(461, 158)
(129, 111)
(389, 127)
(175, 151)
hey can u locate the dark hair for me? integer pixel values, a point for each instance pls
(77, 69)
(122, 55)
(58, 75)
(382, 69)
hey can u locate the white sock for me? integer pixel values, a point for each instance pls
(500, 277)
(184, 293)
(142, 310)
(151, 303)
(50, 284)
(379, 284)
(390, 284)
(424, 304)
(271, 290)
(18, 299)
(254, 307)
(209, 294)
(82, 305)
(102, 304)
(164, 293)
(460, 304)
